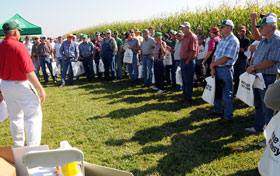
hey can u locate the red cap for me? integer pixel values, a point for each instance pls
(131, 31)
(215, 29)
(242, 28)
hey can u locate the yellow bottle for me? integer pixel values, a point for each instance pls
(70, 169)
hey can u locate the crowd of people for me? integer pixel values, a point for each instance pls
(221, 55)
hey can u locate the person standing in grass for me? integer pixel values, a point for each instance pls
(119, 55)
(17, 88)
(177, 58)
(69, 51)
(97, 43)
(35, 57)
(109, 50)
(265, 61)
(147, 48)
(189, 51)
(159, 52)
(222, 67)
(133, 44)
(58, 58)
(86, 50)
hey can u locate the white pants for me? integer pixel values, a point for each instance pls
(25, 112)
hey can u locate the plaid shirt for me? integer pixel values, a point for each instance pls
(228, 47)
(268, 50)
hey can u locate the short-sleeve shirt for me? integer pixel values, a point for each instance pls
(57, 48)
(212, 43)
(29, 47)
(86, 49)
(15, 61)
(148, 46)
(34, 49)
(228, 47)
(133, 43)
(268, 50)
(189, 43)
(177, 50)
(119, 42)
(157, 51)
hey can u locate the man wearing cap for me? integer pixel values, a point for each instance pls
(189, 51)
(147, 48)
(119, 56)
(18, 88)
(35, 57)
(45, 53)
(109, 50)
(57, 55)
(86, 50)
(169, 70)
(28, 44)
(177, 58)
(241, 63)
(159, 53)
(212, 45)
(265, 61)
(69, 51)
(138, 36)
(222, 67)
(97, 43)
(199, 32)
(152, 31)
(133, 44)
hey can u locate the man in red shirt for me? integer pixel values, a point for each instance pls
(17, 86)
(189, 51)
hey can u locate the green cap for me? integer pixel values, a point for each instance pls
(266, 21)
(11, 26)
(157, 34)
(84, 36)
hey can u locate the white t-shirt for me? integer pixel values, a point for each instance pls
(52, 44)
(57, 48)
(201, 52)
(29, 47)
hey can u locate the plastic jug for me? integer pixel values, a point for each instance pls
(70, 169)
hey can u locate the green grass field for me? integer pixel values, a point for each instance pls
(127, 127)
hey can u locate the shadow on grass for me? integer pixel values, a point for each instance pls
(253, 172)
(195, 140)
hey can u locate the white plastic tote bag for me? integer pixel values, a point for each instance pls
(78, 68)
(3, 111)
(168, 58)
(55, 69)
(140, 75)
(128, 55)
(209, 90)
(245, 88)
(101, 66)
(94, 67)
(179, 79)
(269, 164)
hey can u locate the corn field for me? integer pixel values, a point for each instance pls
(205, 18)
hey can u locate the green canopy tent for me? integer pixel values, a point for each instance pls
(27, 27)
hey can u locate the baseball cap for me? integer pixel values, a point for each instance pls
(108, 31)
(180, 32)
(157, 34)
(27, 38)
(137, 30)
(43, 37)
(97, 33)
(185, 24)
(199, 28)
(116, 32)
(11, 26)
(69, 35)
(214, 29)
(242, 28)
(267, 20)
(36, 37)
(145, 31)
(84, 36)
(131, 31)
(166, 36)
(226, 23)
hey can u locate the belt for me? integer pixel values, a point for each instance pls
(147, 54)
(224, 66)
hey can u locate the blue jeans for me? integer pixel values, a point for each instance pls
(88, 65)
(43, 62)
(147, 70)
(109, 64)
(225, 74)
(187, 76)
(177, 63)
(119, 62)
(66, 65)
(159, 74)
(132, 68)
(37, 67)
(58, 61)
(262, 113)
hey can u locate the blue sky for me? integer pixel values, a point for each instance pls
(57, 17)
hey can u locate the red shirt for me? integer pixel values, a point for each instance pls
(15, 61)
(189, 43)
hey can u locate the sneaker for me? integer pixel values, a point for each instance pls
(262, 144)
(252, 129)
(160, 91)
(61, 86)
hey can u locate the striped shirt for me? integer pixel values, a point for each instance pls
(228, 47)
(268, 50)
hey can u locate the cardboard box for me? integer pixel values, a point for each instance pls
(7, 164)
